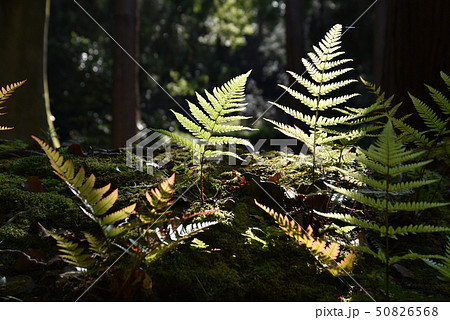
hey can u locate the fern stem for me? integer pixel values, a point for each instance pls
(201, 180)
(386, 223)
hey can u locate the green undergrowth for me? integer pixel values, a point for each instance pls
(223, 263)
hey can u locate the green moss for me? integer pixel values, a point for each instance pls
(31, 166)
(10, 145)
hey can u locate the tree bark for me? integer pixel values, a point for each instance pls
(125, 72)
(295, 51)
(415, 51)
(295, 38)
(22, 56)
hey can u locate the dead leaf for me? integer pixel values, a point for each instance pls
(30, 260)
(275, 177)
(33, 184)
(406, 273)
(75, 149)
(317, 201)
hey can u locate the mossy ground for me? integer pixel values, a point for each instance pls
(232, 267)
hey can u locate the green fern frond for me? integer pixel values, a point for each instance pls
(438, 126)
(215, 117)
(430, 117)
(322, 69)
(440, 99)
(412, 135)
(96, 245)
(382, 184)
(444, 266)
(387, 156)
(214, 120)
(72, 253)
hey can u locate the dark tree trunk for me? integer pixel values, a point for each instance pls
(416, 49)
(125, 72)
(23, 25)
(295, 51)
(295, 38)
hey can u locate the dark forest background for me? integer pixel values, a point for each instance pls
(97, 93)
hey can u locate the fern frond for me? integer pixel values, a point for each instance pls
(411, 134)
(72, 253)
(193, 128)
(178, 139)
(322, 69)
(161, 197)
(96, 245)
(6, 92)
(95, 203)
(326, 254)
(430, 117)
(440, 99)
(215, 117)
(444, 266)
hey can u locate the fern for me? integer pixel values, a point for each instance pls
(444, 266)
(5, 93)
(96, 204)
(388, 158)
(326, 254)
(72, 253)
(215, 118)
(323, 69)
(433, 141)
(157, 231)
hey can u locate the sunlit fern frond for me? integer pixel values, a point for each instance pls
(162, 196)
(326, 253)
(96, 202)
(213, 118)
(172, 237)
(323, 69)
(5, 93)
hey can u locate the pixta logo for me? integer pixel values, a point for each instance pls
(142, 147)
(148, 150)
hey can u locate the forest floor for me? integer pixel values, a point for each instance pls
(246, 257)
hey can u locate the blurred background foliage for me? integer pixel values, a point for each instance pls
(186, 46)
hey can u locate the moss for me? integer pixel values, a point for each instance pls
(235, 270)
(10, 145)
(31, 166)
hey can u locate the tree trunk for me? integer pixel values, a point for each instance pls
(415, 51)
(295, 51)
(23, 25)
(295, 39)
(125, 72)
